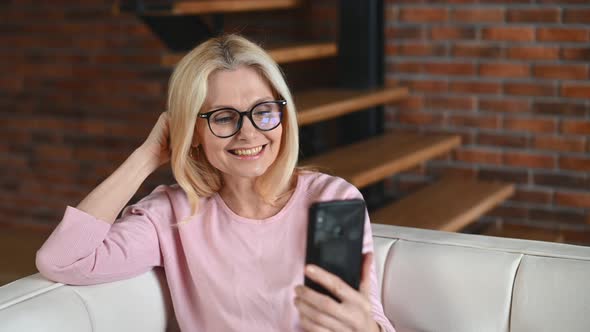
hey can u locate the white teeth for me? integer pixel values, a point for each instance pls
(248, 152)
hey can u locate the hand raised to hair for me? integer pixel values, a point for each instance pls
(157, 145)
(319, 312)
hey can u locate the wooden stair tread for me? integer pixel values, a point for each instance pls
(18, 248)
(447, 205)
(196, 7)
(322, 104)
(281, 52)
(376, 158)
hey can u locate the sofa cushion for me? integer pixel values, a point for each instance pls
(551, 294)
(434, 287)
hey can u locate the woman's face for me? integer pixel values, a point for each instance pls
(249, 152)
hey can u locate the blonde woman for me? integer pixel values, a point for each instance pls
(231, 234)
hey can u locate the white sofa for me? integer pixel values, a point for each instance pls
(432, 281)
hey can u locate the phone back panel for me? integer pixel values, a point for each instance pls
(335, 240)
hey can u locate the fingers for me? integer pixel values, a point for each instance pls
(314, 320)
(365, 284)
(332, 283)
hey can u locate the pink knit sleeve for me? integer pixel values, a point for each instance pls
(83, 250)
(377, 307)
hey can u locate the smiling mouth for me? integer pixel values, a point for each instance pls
(248, 152)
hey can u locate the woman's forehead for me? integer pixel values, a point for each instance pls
(240, 87)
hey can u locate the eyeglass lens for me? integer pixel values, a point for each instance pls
(266, 116)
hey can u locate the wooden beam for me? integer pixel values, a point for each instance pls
(198, 7)
(379, 157)
(448, 205)
(318, 105)
(281, 53)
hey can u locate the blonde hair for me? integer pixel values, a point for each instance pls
(186, 95)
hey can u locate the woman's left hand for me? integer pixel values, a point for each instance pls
(319, 312)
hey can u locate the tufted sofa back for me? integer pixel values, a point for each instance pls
(431, 281)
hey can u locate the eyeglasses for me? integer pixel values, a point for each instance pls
(226, 122)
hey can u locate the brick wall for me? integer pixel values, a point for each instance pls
(80, 89)
(510, 77)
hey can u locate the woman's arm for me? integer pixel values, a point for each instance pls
(87, 247)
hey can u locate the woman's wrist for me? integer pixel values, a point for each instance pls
(146, 159)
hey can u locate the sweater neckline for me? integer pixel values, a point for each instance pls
(234, 216)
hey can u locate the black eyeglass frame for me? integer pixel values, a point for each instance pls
(281, 102)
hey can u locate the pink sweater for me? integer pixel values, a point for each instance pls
(224, 272)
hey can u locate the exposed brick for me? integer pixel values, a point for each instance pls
(508, 70)
(411, 103)
(504, 33)
(474, 121)
(574, 90)
(575, 127)
(391, 14)
(408, 67)
(467, 136)
(418, 118)
(478, 156)
(536, 196)
(513, 212)
(533, 52)
(405, 33)
(573, 199)
(513, 176)
(530, 89)
(504, 105)
(478, 15)
(426, 85)
(506, 140)
(530, 125)
(529, 160)
(577, 15)
(563, 108)
(476, 51)
(424, 14)
(575, 53)
(562, 35)
(421, 49)
(572, 163)
(536, 15)
(556, 215)
(564, 72)
(392, 50)
(450, 68)
(452, 33)
(475, 87)
(562, 144)
(579, 182)
(450, 103)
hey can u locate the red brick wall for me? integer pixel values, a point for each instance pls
(80, 89)
(511, 77)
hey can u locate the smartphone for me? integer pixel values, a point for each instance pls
(335, 240)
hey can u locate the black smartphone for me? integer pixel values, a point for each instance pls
(335, 240)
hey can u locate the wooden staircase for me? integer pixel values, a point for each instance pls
(374, 159)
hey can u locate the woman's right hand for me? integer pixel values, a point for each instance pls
(157, 145)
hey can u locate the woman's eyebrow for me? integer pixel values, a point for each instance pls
(259, 100)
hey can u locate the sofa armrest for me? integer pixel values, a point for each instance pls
(34, 303)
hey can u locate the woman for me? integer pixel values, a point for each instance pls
(231, 234)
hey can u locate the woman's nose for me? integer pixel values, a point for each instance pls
(248, 130)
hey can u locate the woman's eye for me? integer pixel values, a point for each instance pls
(262, 112)
(224, 117)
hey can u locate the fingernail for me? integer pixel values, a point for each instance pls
(311, 269)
